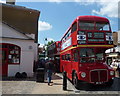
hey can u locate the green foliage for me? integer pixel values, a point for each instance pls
(49, 43)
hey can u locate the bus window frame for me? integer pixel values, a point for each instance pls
(102, 23)
(73, 55)
(85, 21)
(75, 23)
(94, 51)
(95, 24)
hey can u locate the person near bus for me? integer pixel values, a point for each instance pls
(118, 68)
(50, 69)
(41, 63)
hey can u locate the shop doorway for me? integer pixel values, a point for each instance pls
(4, 55)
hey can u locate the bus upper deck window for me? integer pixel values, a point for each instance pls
(102, 26)
(86, 25)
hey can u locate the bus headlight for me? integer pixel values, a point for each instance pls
(83, 74)
(111, 73)
(109, 36)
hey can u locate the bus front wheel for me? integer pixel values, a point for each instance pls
(109, 83)
(75, 80)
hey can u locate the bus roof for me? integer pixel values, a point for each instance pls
(88, 18)
(92, 18)
(54, 43)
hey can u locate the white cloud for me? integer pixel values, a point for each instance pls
(108, 8)
(50, 39)
(57, 1)
(2, 1)
(41, 45)
(93, 1)
(42, 26)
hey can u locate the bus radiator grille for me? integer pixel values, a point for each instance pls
(98, 75)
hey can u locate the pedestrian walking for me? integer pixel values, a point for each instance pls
(118, 68)
(41, 63)
(46, 60)
(50, 69)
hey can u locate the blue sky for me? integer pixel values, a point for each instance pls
(56, 17)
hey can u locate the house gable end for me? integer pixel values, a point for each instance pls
(8, 32)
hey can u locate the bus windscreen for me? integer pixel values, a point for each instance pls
(94, 26)
(88, 55)
(86, 25)
(102, 26)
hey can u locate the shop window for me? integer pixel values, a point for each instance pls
(13, 53)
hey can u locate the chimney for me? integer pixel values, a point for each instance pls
(10, 2)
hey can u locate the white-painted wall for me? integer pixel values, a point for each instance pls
(119, 36)
(13, 69)
(119, 40)
(36, 52)
(31, 35)
(27, 60)
(28, 51)
(10, 32)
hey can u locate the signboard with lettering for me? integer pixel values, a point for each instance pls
(66, 44)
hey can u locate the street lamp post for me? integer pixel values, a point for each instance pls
(45, 47)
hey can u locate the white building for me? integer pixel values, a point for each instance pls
(119, 40)
(113, 54)
(19, 40)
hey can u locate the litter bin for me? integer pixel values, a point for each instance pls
(40, 75)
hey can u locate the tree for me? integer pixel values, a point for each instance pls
(46, 46)
(50, 42)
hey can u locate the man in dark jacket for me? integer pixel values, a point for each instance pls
(118, 69)
(50, 68)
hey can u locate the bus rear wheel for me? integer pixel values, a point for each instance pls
(75, 80)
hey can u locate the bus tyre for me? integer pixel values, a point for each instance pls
(75, 80)
(109, 83)
(18, 75)
(24, 75)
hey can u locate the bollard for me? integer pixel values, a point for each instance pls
(64, 80)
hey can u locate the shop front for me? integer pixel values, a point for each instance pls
(10, 55)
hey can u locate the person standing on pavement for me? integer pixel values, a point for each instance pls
(118, 69)
(50, 69)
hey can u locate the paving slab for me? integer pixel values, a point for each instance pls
(55, 88)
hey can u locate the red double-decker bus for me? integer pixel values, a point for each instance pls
(54, 53)
(83, 49)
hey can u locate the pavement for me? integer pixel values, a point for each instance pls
(55, 88)
(30, 86)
